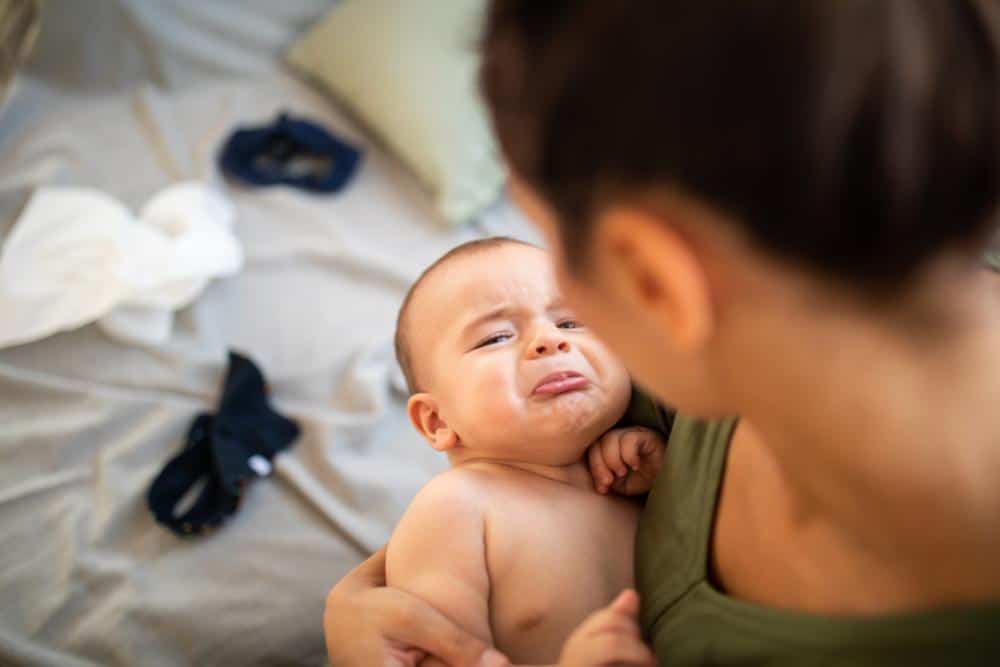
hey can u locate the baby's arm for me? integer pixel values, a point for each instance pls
(626, 460)
(437, 552)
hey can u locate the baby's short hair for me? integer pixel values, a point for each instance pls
(403, 352)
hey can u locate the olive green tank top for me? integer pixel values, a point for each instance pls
(690, 622)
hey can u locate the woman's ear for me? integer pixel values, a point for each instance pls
(425, 417)
(657, 271)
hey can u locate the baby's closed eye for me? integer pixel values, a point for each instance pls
(493, 339)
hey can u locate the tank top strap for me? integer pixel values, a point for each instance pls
(675, 532)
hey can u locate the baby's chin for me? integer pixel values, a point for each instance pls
(579, 412)
(565, 427)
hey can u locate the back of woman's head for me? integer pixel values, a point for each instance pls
(857, 138)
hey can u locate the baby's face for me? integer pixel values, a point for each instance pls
(515, 375)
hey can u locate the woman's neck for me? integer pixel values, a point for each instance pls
(882, 430)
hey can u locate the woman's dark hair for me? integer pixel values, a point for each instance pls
(854, 137)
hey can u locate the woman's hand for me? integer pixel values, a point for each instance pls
(609, 636)
(367, 624)
(626, 460)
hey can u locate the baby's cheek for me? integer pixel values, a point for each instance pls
(489, 408)
(616, 380)
(621, 381)
(491, 389)
(607, 366)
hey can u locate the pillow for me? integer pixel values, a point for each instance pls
(407, 69)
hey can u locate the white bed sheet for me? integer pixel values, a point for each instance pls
(90, 49)
(86, 576)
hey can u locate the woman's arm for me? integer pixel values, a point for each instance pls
(363, 616)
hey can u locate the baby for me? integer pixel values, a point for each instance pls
(520, 542)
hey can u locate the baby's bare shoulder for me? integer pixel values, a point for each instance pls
(477, 486)
(448, 504)
(463, 485)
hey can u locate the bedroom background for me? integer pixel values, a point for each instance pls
(113, 102)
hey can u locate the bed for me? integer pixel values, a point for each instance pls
(128, 96)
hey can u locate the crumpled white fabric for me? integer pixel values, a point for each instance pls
(77, 255)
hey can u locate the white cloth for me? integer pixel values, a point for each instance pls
(77, 255)
(87, 578)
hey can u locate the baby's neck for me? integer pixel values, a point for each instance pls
(574, 474)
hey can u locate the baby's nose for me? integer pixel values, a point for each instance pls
(547, 347)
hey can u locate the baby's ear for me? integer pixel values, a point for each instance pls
(425, 417)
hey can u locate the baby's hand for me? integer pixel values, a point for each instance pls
(609, 636)
(626, 460)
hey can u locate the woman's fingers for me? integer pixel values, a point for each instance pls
(350, 640)
(431, 661)
(369, 573)
(399, 655)
(409, 620)
(366, 623)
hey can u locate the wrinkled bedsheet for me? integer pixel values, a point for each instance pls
(86, 576)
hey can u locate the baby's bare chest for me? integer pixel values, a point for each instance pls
(553, 561)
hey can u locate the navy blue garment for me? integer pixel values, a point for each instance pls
(226, 450)
(290, 151)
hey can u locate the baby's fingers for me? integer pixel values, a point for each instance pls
(611, 450)
(614, 624)
(621, 650)
(603, 477)
(618, 617)
(651, 451)
(631, 448)
(626, 604)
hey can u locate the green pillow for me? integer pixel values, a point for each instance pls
(407, 69)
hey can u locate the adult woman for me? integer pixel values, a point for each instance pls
(777, 210)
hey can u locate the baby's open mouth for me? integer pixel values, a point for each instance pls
(560, 382)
